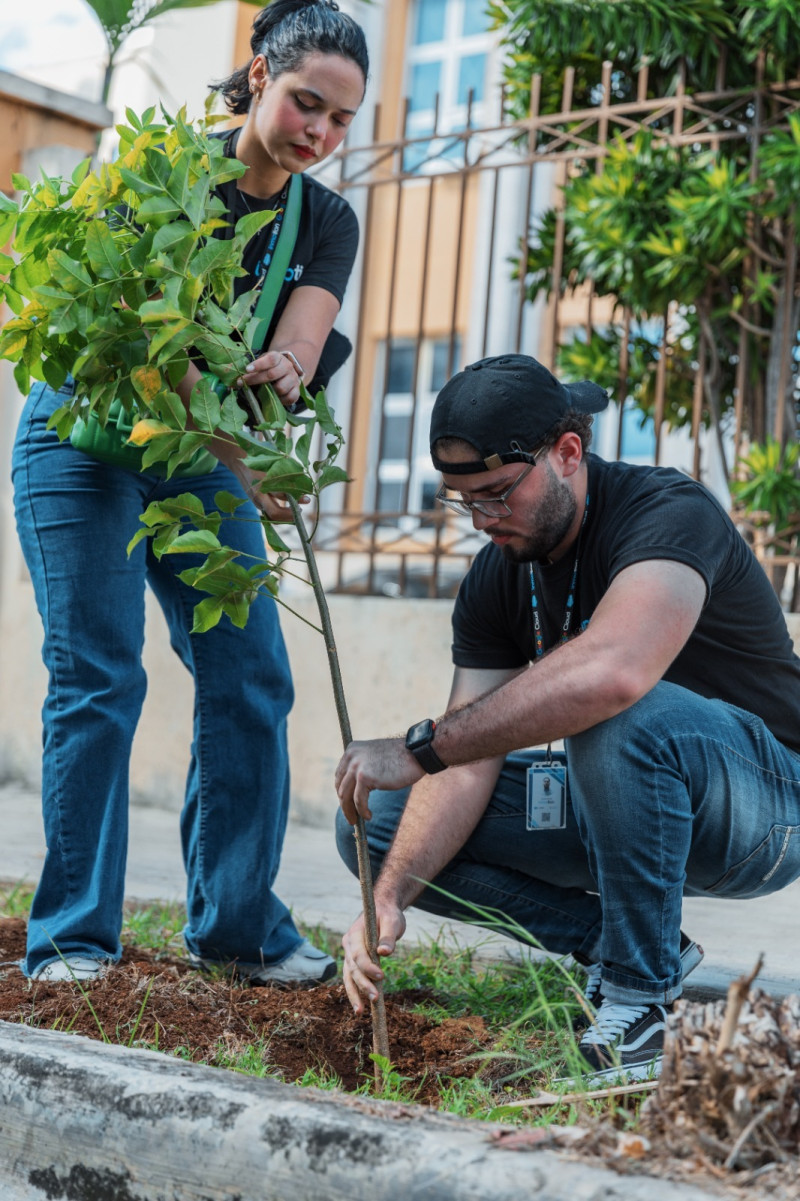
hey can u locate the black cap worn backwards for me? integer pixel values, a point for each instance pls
(504, 406)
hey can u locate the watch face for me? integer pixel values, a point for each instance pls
(419, 734)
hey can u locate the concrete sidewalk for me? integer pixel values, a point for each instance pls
(313, 880)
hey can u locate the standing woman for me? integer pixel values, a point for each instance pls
(75, 515)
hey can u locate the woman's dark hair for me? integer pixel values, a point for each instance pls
(286, 32)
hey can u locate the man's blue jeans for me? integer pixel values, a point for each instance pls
(75, 517)
(677, 796)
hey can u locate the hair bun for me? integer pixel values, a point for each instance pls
(276, 11)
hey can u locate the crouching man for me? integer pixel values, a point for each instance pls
(617, 608)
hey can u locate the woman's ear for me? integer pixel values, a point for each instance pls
(258, 74)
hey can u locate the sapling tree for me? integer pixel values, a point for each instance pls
(119, 276)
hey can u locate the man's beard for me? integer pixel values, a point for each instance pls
(555, 514)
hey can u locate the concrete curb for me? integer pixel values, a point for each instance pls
(80, 1121)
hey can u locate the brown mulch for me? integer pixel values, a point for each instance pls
(204, 1019)
(725, 1117)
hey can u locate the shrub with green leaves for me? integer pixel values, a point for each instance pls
(698, 238)
(768, 487)
(116, 276)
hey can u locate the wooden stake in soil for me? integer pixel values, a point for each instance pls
(380, 1036)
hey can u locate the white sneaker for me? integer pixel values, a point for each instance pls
(71, 967)
(305, 967)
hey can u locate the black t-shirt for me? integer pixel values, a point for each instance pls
(323, 256)
(740, 650)
(324, 252)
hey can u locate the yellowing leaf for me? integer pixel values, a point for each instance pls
(147, 382)
(145, 430)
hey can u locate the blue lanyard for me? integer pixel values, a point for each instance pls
(567, 623)
(266, 258)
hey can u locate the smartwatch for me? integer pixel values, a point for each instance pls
(418, 740)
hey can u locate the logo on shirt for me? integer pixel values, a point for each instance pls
(292, 273)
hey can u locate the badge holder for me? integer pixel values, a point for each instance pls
(546, 807)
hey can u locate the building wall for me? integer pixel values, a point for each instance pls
(34, 119)
(395, 662)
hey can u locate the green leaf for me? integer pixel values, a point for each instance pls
(238, 608)
(195, 542)
(164, 539)
(227, 502)
(158, 210)
(139, 184)
(204, 405)
(176, 235)
(187, 505)
(61, 420)
(102, 251)
(274, 540)
(171, 409)
(207, 614)
(284, 476)
(72, 275)
(153, 312)
(136, 539)
(55, 373)
(331, 474)
(215, 318)
(174, 335)
(303, 445)
(218, 574)
(322, 411)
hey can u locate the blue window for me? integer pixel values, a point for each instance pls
(429, 21)
(471, 75)
(448, 58)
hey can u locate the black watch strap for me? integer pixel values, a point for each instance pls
(418, 741)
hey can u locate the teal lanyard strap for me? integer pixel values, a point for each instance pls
(565, 628)
(276, 271)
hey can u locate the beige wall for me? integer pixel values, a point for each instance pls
(395, 661)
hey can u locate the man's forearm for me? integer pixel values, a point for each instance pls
(441, 813)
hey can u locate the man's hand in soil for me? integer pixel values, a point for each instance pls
(360, 973)
(379, 763)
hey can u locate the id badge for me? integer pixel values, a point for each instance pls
(546, 807)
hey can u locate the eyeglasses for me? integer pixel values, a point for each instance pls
(493, 506)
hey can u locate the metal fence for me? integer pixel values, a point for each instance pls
(472, 196)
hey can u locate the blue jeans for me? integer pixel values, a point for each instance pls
(75, 517)
(677, 796)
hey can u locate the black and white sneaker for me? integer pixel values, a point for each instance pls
(691, 954)
(624, 1044)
